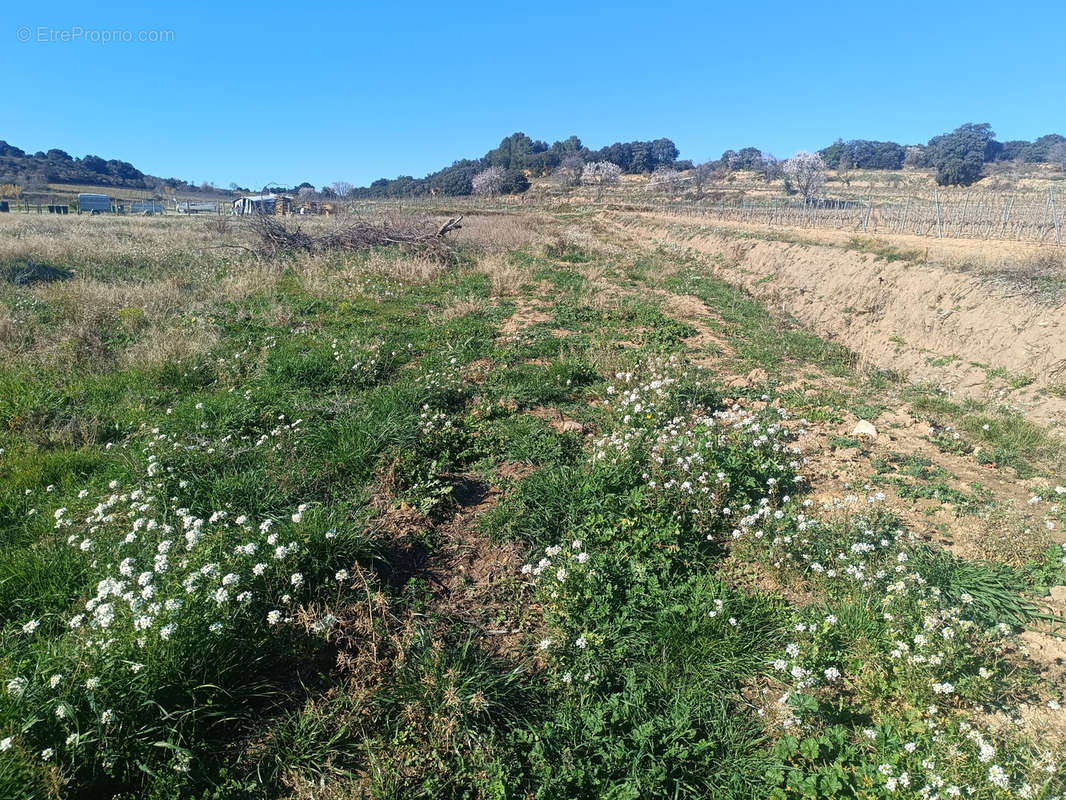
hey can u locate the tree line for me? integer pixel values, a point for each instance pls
(34, 171)
(958, 157)
(520, 158)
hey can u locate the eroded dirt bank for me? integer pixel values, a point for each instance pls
(930, 323)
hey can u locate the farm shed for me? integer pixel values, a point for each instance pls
(94, 203)
(263, 204)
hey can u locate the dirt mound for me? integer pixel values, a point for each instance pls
(926, 322)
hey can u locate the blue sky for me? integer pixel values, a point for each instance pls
(285, 92)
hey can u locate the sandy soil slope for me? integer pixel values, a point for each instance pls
(929, 322)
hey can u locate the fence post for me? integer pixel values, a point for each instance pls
(1006, 216)
(962, 216)
(936, 199)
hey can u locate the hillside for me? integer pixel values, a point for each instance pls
(36, 173)
(960, 157)
(968, 154)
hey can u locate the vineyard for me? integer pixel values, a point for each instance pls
(977, 215)
(1028, 215)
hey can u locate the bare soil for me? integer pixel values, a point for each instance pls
(929, 322)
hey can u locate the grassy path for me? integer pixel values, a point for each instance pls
(565, 519)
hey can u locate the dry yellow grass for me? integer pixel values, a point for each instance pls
(505, 275)
(956, 254)
(81, 240)
(455, 307)
(506, 231)
(155, 280)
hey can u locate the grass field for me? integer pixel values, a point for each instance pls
(559, 518)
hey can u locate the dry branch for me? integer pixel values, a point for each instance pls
(418, 236)
(450, 225)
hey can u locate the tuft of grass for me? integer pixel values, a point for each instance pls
(884, 250)
(844, 442)
(989, 594)
(1005, 437)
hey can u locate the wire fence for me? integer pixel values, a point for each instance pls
(985, 215)
(1025, 216)
(977, 214)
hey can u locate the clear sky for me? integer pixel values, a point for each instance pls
(285, 92)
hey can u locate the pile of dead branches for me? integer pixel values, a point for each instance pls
(422, 237)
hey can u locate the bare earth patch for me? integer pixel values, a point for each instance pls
(707, 348)
(525, 314)
(471, 579)
(559, 422)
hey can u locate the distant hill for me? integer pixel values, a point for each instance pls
(35, 171)
(521, 158)
(959, 158)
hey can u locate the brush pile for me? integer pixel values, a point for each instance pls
(423, 237)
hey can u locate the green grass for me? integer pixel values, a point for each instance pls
(394, 647)
(1005, 437)
(844, 442)
(883, 250)
(761, 339)
(917, 477)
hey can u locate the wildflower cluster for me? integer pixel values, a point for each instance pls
(438, 430)
(443, 389)
(732, 470)
(840, 547)
(159, 578)
(566, 581)
(637, 401)
(1050, 504)
(885, 629)
(176, 592)
(889, 634)
(367, 362)
(948, 439)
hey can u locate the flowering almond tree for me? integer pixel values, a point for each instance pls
(806, 171)
(600, 174)
(665, 180)
(568, 174)
(489, 182)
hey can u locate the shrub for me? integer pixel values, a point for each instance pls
(959, 156)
